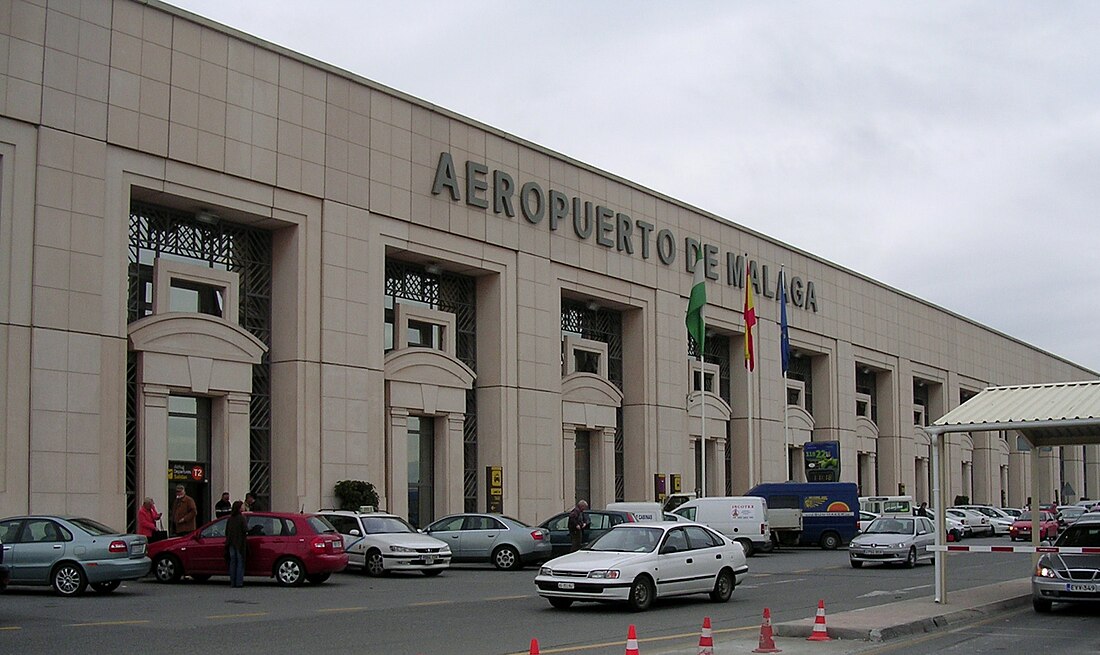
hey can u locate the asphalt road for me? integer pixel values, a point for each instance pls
(468, 610)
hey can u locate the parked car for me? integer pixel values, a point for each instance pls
(639, 562)
(504, 541)
(378, 543)
(1021, 528)
(292, 548)
(599, 522)
(1067, 514)
(1014, 512)
(865, 519)
(975, 523)
(893, 540)
(5, 572)
(69, 553)
(1000, 521)
(1067, 577)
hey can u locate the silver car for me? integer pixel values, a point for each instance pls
(504, 541)
(893, 539)
(1069, 577)
(69, 553)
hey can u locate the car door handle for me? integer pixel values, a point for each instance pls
(57, 547)
(689, 560)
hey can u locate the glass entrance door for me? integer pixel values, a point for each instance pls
(189, 453)
(421, 470)
(582, 466)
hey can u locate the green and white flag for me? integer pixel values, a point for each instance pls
(696, 324)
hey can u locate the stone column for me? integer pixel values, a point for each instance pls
(568, 461)
(985, 468)
(603, 467)
(719, 469)
(236, 470)
(449, 492)
(153, 445)
(397, 465)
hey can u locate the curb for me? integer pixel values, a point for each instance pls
(804, 628)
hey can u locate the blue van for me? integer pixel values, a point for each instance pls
(830, 510)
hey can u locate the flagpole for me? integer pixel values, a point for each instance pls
(703, 427)
(749, 361)
(782, 355)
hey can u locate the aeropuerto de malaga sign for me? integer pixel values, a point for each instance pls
(607, 227)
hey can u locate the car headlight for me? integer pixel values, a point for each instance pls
(1045, 572)
(546, 570)
(445, 549)
(606, 574)
(401, 549)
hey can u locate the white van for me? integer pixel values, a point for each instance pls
(643, 512)
(741, 518)
(887, 505)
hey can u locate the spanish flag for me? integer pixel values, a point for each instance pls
(750, 319)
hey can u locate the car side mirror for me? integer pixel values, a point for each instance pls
(669, 549)
(353, 532)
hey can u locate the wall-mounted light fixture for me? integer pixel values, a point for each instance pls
(592, 306)
(433, 269)
(207, 217)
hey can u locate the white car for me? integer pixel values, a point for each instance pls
(638, 562)
(1000, 521)
(974, 522)
(865, 519)
(378, 543)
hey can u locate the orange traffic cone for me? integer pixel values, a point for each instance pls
(819, 633)
(631, 641)
(767, 642)
(706, 640)
(534, 647)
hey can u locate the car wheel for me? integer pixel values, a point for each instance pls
(289, 572)
(641, 594)
(431, 573)
(723, 586)
(317, 578)
(506, 558)
(561, 603)
(746, 545)
(374, 566)
(166, 568)
(830, 541)
(106, 587)
(1041, 605)
(911, 560)
(855, 564)
(68, 579)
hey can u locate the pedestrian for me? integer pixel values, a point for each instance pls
(223, 507)
(147, 518)
(252, 504)
(236, 544)
(578, 521)
(922, 510)
(183, 512)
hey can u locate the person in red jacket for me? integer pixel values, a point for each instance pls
(147, 518)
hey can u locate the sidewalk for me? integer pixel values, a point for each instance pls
(859, 630)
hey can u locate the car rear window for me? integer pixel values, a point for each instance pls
(320, 525)
(1081, 536)
(93, 528)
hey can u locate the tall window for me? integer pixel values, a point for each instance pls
(717, 351)
(161, 232)
(865, 383)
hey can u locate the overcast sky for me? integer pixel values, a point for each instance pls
(950, 149)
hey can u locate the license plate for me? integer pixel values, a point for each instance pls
(138, 549)
(428, 559)
(1081, 587)
(565, 585)
(874, 552)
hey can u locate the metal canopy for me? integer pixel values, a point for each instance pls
(1056, 414)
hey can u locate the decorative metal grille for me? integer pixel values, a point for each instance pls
(717, 351)
(159, 231)
(456, 294)
(132, 501)
(605, 326)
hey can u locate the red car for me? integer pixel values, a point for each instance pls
(1021, 527)
(291, 548)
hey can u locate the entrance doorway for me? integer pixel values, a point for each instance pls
(189, 453)
(421, 470)
(582, 466)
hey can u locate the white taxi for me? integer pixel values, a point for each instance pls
(638, 562)
(379, 543)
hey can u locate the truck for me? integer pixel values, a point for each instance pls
(830, 511)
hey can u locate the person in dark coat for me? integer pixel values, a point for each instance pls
(236, 544)
(578, 521)
(253, 504)
(223, 507)
(183, 512)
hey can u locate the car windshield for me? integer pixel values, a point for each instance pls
(891, 526)
(385, 525)
(633, 540)
(93, 528)
(1080, 536)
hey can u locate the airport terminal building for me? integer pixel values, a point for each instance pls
(230, 266)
